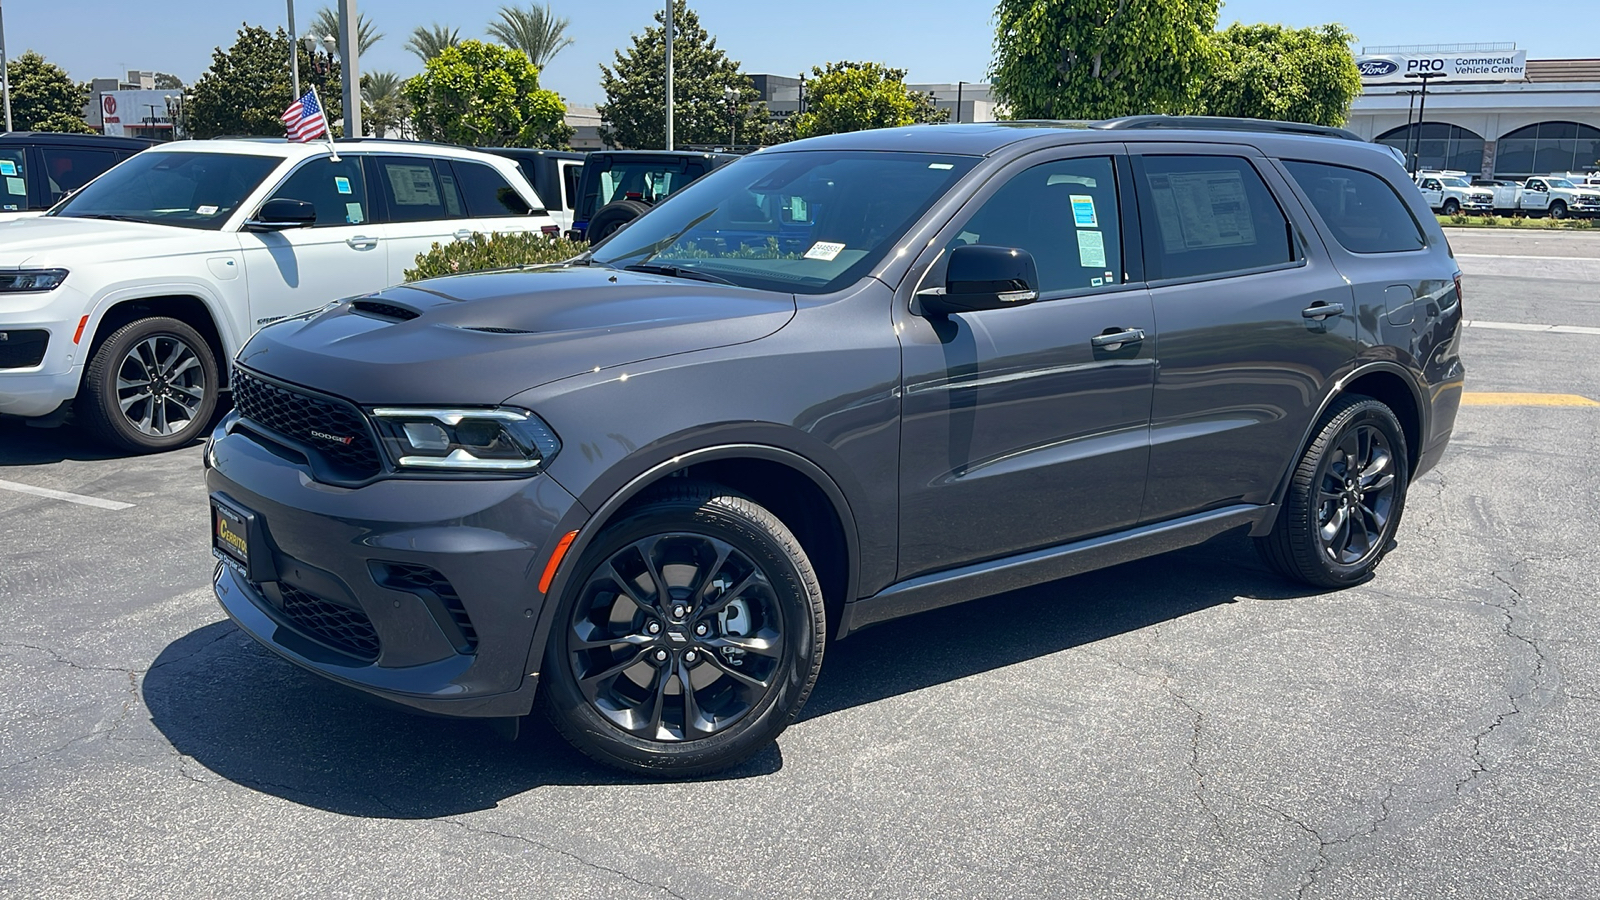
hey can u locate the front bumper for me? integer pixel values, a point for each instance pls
(40, 389)
(486, 541)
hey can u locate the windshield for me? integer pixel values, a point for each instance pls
(1455, 182)
(1559, 182)
(189, 190)
(806, 221)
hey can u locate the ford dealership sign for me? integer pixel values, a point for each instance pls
(1501, 65)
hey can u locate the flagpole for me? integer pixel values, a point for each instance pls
(327, 130)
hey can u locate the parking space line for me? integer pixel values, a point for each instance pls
(1528, 326)
(80, 499)
(1513, 256)
(1489, 398)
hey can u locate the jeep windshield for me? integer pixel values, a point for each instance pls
(806, 222)
(189, 190)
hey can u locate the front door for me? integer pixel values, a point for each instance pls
(1018, 432)
(341, 255)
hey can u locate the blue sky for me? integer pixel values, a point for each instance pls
(936, 41)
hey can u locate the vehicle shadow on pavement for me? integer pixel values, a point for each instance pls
(255, 720)
(24, 445)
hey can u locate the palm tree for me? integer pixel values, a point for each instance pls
(326, 24)
(535, 31)
(427, 42)
(385, 106)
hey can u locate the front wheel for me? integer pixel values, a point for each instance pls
(690, 637)
(1451, 207)
(151, 386)
(1345, 497)
(1558, 210)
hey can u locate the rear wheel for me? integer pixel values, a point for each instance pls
(151, 386)
(1344, 499)
(690, 638)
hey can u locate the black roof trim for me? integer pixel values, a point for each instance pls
(1224, 123)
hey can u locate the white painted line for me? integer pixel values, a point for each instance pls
(1523, 326)
(1508, 256)
(63, 495)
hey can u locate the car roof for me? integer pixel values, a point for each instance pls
(675, 154)
(282, 148)
(523, 152)
(63, 139)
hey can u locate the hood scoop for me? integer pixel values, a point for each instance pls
(377, 309)
(492, 329)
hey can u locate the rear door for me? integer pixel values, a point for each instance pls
(492, 204)
(1254, 319)
(422, 207)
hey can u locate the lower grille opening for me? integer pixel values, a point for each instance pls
(438, 594)
(338, 626)
(23, 349)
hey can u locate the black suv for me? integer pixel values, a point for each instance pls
(38, 168)
(618, 186)
(836, 382)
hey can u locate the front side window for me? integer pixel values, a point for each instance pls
(13, 180)
(1362, 210)
(1428, 184)
(1208, 215)
(188, 190)
(336, 189)
(1065, 214)
(488, 194)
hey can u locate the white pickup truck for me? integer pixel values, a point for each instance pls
(1451, 193)
(1553, 195)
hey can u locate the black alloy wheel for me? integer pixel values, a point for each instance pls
(151, 386)
(691, 637)
(1345, 498)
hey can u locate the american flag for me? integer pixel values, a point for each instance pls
(304, 118)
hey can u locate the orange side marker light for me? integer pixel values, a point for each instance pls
(78, 335)
(555, 562)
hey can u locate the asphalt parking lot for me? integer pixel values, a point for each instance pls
(1188, 726)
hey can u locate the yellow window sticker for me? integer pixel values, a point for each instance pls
(1083, 211)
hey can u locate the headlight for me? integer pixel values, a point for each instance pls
(466, 440)
(31, 280)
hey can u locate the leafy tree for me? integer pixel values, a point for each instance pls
(44, 98)
(383, 106)
(166, 82)
(247, 87)
(427, 42)
(535, 31)
(326, 24)
(1288, 74)
(485, 95)
(855, 96)
(1091, 59)
(634, 114)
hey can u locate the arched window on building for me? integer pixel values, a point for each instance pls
(1438, 146)
(1547, 147)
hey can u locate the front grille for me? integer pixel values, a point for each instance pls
(423, 581)
(333, 428)
(22, 349)
(340, 627)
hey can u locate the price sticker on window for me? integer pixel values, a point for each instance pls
(824, 250)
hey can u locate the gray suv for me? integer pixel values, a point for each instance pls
(833, 383)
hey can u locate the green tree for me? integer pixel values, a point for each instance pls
(535, 31)
(44, 98)
(1288, 74)
(1091, 59)
(855, 96)
(634, 114)
(168, 82)
(427, 42)
(383, 106)
(247, 87)
(326, 24)
(485, 95)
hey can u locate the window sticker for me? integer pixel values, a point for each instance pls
(1083, 212)
(413, 185)
(342, 183)
(1202, 210)
(1096, 282)
(941, 166)
(7, 167)
(9, 207)
(824, 250)
(16, 186)
(353, 214)
(205, 210)
(1091, 250)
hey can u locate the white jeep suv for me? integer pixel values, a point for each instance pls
(124, 302)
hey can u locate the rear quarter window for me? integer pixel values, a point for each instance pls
(1363, 211)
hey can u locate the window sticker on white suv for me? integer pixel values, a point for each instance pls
(413, 185)
(1201, 210)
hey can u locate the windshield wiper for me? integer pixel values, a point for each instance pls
(679, 272)
(109, 216)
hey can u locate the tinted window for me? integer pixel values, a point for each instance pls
(1065, 214)
(648, 180)
(488, 193)
(190, 190)
(1208, 215)
(414, 190)
(336, 189)
(1362, 210)
(66, 170)
(13, 180)
(569, 180)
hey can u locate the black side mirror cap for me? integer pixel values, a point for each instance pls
(979, 277)
(281, 213)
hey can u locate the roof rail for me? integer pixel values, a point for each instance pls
(1225, 123)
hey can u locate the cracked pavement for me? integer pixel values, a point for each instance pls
(1185, 727)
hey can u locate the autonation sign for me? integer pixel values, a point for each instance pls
(1392, 68)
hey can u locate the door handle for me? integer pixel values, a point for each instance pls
(1318, 311)
(361, 242)
(463, 234)
(1112, 340)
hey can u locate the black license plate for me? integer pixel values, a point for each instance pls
(230, 533)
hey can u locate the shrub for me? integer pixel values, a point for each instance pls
(1460, 219)
(1491, 221)
(494, 251)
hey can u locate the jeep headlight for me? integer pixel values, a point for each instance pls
(506, 440)
(31, 280)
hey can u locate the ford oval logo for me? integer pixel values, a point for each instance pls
(1373, 68)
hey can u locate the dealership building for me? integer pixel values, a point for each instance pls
(1488, 110)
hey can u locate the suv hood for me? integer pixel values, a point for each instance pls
(479, 339)
(64, 241)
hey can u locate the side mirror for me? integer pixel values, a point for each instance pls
(983, 277)
(281, 213)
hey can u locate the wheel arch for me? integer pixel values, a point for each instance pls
(189, 309)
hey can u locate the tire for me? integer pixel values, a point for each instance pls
(1558, 210)
(177, 397)
(611, 217)
(1451, 207)
(1300, 546)
(743, 626)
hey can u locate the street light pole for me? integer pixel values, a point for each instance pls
(669, 37)
(959, 86)
(1411, 109)
(350, 55)
(294, 57)
(1422, 110)
(5, 70)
